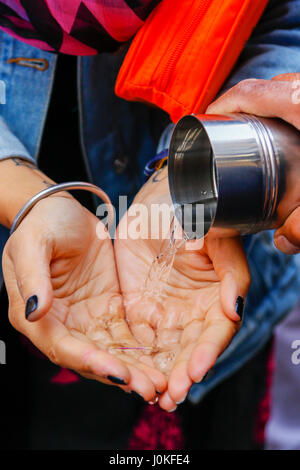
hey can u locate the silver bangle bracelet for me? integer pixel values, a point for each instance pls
(56, 189)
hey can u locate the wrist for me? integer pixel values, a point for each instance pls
(58, 191)
(19, 181)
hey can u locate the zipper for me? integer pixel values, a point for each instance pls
(176, 51)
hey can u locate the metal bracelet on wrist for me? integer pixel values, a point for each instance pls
(73, 185)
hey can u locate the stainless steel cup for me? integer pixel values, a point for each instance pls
(245, 170)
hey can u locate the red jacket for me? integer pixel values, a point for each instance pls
(181, 56)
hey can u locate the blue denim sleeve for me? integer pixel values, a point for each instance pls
(274, 47)
(10, 145)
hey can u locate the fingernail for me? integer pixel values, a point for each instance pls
(158, 393)
(173, 409)
(31, 305)
(179, 402)
(136, 395)
(284, 245)
(206, 376)
(116, 380)
(239, 306)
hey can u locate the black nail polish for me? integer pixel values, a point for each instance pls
(116, 380)
(31, 305)
(239, 306)
(158, 393)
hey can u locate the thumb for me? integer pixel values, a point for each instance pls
(267, 98)
(231, 266)
(30, 258)
(287, 237)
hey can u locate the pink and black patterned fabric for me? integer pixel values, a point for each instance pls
(78, 27)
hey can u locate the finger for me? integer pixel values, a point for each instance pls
(179, 381)
(231, 266)
(166, 403)
(268, 98)
(142, 384)
(287, 237)
(217, 333)
(29, 256)
(157, 378)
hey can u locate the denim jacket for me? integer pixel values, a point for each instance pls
(119, 137)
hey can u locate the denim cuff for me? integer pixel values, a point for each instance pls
(10, 146)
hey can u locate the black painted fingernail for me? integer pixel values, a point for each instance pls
(116, 380)
(239, 306)
(31, 305)
(158, 393)
(137, 395)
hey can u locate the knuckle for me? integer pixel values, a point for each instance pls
(253, 88)
(245, 86)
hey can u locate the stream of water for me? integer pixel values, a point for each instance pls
(161, 267)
